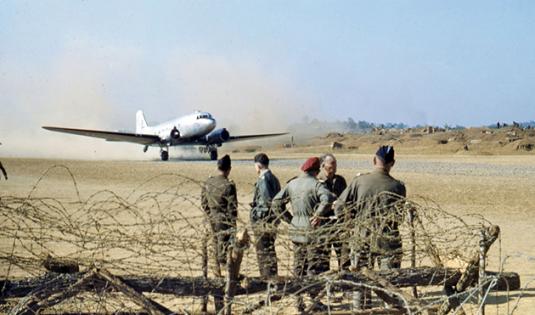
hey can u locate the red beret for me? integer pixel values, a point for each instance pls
(311, 164)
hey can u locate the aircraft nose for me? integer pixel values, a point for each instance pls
(210, 123)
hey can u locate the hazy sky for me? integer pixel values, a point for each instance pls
(93, 63)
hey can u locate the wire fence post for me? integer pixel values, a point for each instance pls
(204, 306)
(357, 296)
(412, 214)
(481, 278)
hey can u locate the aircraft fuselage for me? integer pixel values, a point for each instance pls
(191, 126)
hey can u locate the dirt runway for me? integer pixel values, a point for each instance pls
(500, 188)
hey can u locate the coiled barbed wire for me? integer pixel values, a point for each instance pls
(162, 233)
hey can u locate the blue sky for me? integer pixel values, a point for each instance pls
(93, 63)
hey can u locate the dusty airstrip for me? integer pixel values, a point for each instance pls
(500, 188)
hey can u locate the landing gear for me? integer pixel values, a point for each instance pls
(164, 155)
(213, 155)
(211, 149)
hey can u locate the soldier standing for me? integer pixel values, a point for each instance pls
(373, 195)
(219, 201)
(374, 198)
(311, 203)
(336, 185)
(263, 219)
(334, 182)
(3, 170)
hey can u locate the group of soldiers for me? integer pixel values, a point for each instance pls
(322, 206)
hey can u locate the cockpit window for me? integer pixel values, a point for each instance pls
(204, 116)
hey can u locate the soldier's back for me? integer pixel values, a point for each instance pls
(377, 182)
(217, 191)
(302, 190)
(271, 182)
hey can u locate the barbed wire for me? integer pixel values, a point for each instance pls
(159, 230)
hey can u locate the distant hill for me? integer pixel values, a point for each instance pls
(318, 127)
(430, 140)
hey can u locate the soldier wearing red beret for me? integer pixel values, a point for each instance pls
(311, 201)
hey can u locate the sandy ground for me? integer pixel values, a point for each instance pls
(501, 188)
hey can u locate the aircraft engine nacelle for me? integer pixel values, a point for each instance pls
(217, 136)
(174, 134)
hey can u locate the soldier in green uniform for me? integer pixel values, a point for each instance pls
(336, 185)
(219, 201)
(263, 219)
(3, 170)
(376, 196)
(374, 202)
(311, 203)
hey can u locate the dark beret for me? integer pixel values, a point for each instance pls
(385, 153)
(311, 164)
(224, 163)
(262, 158)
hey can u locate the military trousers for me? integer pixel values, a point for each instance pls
(338, 242)
(386, 259)
(222, 237)
(265, 249)
(310, 258)
(388, 253)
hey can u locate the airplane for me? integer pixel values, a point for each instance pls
(196, 129)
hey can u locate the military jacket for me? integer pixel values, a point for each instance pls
(308, 197)
(373, 200)
(368, 192)
(219, 201)
(336, 185)
(266, 187)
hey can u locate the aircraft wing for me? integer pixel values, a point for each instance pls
(109, 135)
(249, 137)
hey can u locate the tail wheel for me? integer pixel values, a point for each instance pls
(164, 155)
(213, 155)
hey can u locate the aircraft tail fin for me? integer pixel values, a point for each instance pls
(141, 123)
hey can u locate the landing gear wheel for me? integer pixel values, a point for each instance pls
(213, 155)
(164, 155)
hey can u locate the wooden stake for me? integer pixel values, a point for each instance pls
(50, 294)
(481, 278)
(412, 214)
(204, 306)
(234, 260)
(152, 307)
(384, 283)
(471, 272)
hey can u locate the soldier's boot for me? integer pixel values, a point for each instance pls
(390, 262)
(300, 304)
(319, 307)
(267, 265)
(362, 299)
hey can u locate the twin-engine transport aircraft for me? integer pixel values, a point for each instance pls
(197, 129)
